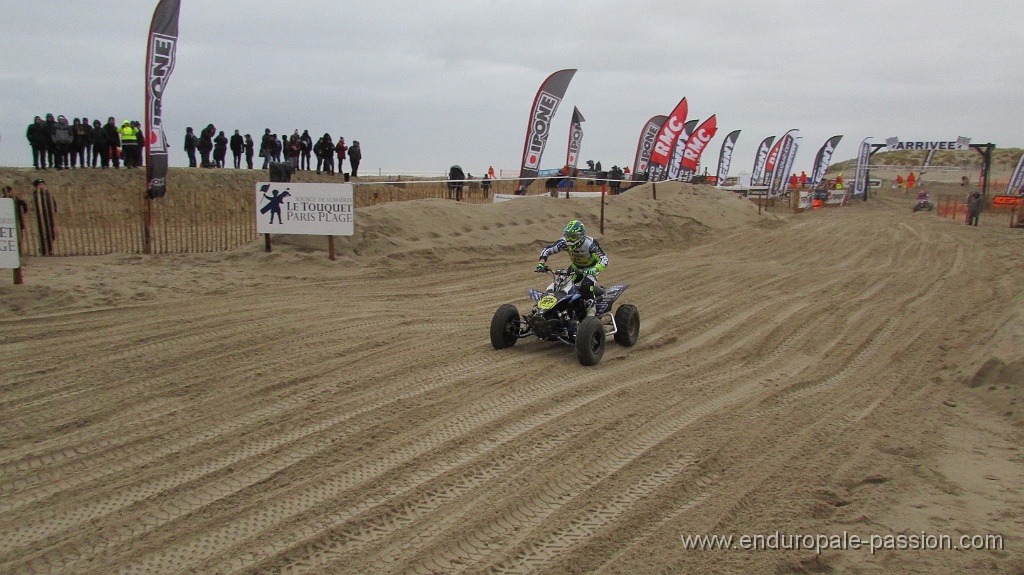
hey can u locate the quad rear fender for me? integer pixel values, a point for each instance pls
(606, 299)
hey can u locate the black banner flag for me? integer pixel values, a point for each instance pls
(757, 175)
(545, 103)
(572, 156)
(823, 159)
(725, 156)
(163, 40)
(645, 145)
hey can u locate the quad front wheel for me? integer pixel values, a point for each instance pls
(590, 339)
(505, 326)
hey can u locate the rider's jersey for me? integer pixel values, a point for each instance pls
(590, 254)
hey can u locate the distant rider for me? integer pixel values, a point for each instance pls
(588, 259)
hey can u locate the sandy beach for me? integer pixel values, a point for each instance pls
(852, 371)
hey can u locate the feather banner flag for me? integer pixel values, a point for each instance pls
(645, 145)
(725, 156)
(657, 168)
(545, 103)
(160, 53)
(572, 156)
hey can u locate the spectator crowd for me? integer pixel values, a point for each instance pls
(58, 144)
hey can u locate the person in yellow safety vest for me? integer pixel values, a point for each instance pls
(129, 144)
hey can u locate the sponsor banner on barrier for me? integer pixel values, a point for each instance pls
(305, 209)
(9, 257)
(806, 201)
(498, 198)
(836, 198)
(1007, 201)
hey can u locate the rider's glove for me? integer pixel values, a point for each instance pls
(541, 267)
(589, 271)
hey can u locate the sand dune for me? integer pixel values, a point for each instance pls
(854, 369)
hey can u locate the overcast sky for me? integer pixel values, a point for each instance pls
(423, 85)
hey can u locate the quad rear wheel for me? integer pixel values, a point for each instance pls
(627, 324)
(505, 326)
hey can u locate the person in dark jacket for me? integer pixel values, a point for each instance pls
(80, 137)
(191, 143)
(114, 141)
(341, 149)
(237, 144)
(293, 150)
(37, 139)
(100, 145)
(318, 149)
(205, 145)
(307, 149)
(267, 148)
(250, 148)
(355, 154)
(88, 141)
(278, 147)
(220, 149)
(973, 209)
(51, 149)
(327, 150)
(63, 136)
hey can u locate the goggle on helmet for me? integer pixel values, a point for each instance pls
(574, 234)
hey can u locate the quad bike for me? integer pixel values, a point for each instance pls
(560, 314)
(923, 203)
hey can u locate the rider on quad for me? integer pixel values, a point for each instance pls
(588, 259)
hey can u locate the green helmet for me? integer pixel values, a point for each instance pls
(575, 234)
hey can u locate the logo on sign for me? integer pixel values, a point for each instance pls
(695, 146)
(161, 64)
(539, 126)
(668, 135)
(574, 144)
(826, 157)
(646, 146)
(726, 159)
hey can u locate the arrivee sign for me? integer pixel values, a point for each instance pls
(961, 143)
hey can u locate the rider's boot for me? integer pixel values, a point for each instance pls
(591, 308)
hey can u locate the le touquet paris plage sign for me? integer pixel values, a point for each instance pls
(9, 258)
(305, 209)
